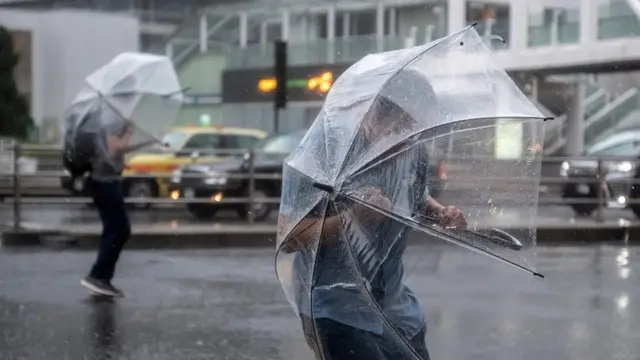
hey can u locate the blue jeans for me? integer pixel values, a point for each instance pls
(331, 340)
(116, 229)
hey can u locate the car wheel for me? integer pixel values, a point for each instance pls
(260, 210)
(202, 211)
(141, 190)
(571, 191)
(634, 196)
(584, 210)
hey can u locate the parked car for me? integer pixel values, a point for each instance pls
(212, 181)
(181, 146)
(619, 167)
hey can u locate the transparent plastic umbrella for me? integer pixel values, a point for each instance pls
(385, 124)
(134, 88)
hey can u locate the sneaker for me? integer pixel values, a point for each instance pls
(101, 287)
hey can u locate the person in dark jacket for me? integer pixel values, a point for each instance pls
(113, 141)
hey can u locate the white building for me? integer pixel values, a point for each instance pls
(60, 48)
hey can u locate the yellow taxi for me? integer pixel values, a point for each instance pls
(147, 174)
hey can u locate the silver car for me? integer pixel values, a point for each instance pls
(618, 155)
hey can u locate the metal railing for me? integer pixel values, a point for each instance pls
(467, 179)
(601, 116)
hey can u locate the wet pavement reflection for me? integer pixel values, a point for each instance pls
(226, 304)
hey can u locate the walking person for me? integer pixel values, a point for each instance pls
(125, 105)
(337, 321)
(106, 189)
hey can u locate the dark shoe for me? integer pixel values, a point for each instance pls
(101, 287)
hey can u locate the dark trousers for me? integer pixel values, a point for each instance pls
(116, 229)
(332, 340)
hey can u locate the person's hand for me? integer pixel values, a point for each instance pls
(128, 130)
(450, 217)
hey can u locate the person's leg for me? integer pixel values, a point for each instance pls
(419, 344)
(107, 196)
(335, 341)
(122, 224)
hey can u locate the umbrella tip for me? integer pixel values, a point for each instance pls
(324, 187)
(538, 275)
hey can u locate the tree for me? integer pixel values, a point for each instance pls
(15, 120)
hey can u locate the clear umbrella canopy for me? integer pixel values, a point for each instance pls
(385, 125)
(137, 89)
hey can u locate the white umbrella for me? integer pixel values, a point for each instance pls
(136, 89)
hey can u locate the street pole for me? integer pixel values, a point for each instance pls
(276, 120)
(280, 71)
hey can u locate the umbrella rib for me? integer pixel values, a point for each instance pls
(306, 213)
(440, 234)
(355, 133)
(313, 274)
(115, 109)
(369, 164)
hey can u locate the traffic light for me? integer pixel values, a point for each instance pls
(280, 71)
(321, 83)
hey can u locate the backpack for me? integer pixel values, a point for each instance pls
(79, 147)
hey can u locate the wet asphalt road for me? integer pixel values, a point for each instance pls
(226, 304)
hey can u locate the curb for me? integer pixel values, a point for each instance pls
(266, 236)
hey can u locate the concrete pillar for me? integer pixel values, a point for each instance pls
(244, 27)
(428, 33)
(588, 21)
(456, 15)
(534, 97)
(304, 27)
(263, 38)
(380, 27)
(534, 88)
(346, 25)
(575, 120)
(331, 34)
(286, 25)
(392, 21)
(263, 33)
(519, 25)
(204, 36)
(554, 29)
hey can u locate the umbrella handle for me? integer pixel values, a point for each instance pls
(496, 236)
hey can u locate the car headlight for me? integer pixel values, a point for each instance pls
(625, 166)
(176, 176)
(214, 178)
(564, 169)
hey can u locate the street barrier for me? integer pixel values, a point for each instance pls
(44, 185)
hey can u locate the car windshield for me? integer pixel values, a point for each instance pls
(281, 144)
(622, 144)
(175, 140)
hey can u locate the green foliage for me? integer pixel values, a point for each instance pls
(14, 108)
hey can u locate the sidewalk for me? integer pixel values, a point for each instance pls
(174, 234)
